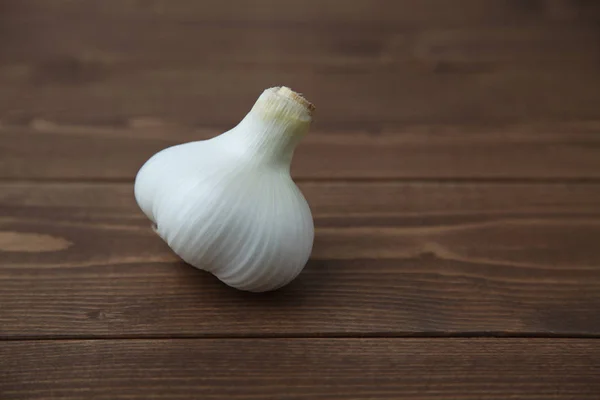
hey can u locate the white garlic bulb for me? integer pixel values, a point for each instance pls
(228, 205)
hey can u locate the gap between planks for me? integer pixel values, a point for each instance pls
(341, 336)
(416, 180)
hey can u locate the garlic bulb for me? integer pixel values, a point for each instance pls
(228, 205)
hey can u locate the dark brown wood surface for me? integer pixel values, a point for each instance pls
(358, 369)
(453, 170)
(544, 151)
(389, 258)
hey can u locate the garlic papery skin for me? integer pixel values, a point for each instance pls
(228, 205)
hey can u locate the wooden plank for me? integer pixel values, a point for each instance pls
(437, 62)
(442, 91)
(138, 39)
(537, 151)
(389, 258)
(420, 92)
(424, 369)
(369, 12)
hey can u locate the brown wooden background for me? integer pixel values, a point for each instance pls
(453, 170)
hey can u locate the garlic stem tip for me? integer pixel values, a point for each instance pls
(297, 97)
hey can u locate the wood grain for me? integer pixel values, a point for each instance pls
(43, 150)
(389, 259)
(487, 90)
(387, 62)
(452, 170)
(424, 369)
(365, 13)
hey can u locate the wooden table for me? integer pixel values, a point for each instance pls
(453, 170)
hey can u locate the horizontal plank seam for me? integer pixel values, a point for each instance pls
(441, 180)
(433, 336)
